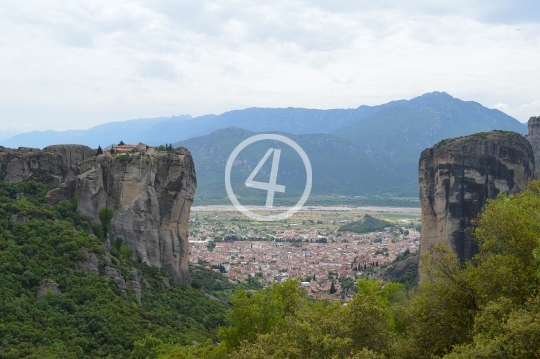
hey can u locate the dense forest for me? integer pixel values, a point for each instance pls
(486, 308)
(92, 317)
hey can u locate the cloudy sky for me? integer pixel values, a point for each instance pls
(73, 65)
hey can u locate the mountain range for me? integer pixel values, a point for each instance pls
(366, 152)
(340, 168)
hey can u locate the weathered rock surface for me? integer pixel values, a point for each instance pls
(151, 196)
(137, 284)
(395, 271)
(457, 176)
(90, 264)
(116, 276)
(48, 285)
(51, 165)
(534, 139)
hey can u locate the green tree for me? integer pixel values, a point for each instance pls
(504, 330)
(105, 216)
(442, 313)
(149, 347)
(99, 150)
(320, 330)
(257, 314)
(508, 231)
(121, 143)
(315, 331)
(475, 309)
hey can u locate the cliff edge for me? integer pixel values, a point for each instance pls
(534, 138)
(457, 176)
(151, 196)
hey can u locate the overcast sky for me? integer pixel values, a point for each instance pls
(74, 65)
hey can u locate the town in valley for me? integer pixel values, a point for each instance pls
(308, 246)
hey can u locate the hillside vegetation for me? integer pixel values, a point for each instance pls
(366, 225)
(489, 308)
(92, 317)
(479, 310)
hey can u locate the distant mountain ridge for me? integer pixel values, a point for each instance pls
(340, 168)
(291, 120)
(104, 134)
(404, 130)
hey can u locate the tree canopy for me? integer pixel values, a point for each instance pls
(91, 317)
(488, 307)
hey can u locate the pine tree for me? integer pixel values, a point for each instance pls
(99, 150)
(121, 143)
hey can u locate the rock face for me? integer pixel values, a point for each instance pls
(48, 285)
(116, 276)
(151, 196)
(534, 138)
(51, 165)
(90, 264)
(457, 176)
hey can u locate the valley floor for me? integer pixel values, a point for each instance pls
(308, 245)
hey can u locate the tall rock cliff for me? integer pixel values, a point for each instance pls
(151, 196)
(534, 139)
(457, 176)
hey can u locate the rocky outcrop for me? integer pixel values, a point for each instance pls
(116, 276)
(534, 139)
(151, 196)
(90, 264)
(48, 286)
(137, 284)
(396, 271)
(457, 176)
(52, 165)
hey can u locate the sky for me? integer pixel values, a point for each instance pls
(74, 65)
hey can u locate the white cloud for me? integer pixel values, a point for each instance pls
(533, 104)
(74, 65)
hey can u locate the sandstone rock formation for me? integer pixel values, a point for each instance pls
(457, 176)
(534, 139)
(151, 196)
